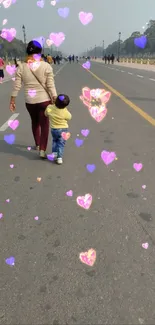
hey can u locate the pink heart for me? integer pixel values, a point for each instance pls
(85, 17)
(89, 257)
(13, 32)
(7, 35)
(4, 21)
(144, 187)
(11, 166)
(86, 94)
(33, 65)
(137, 166)
(69, 193)
(36, 218)
(1, 215)
(95, 93)
(53, 3)
(13, 124)
(98, 114)
(11, 69)
(84, 201)
(49, 42)
(8, 200)
(7, 3)
(105, 96)
(108, 157)
(145, 245)
(29, 148)
(65, 135)
(57, 38)
(32, 92)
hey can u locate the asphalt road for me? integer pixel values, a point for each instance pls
(48, 283)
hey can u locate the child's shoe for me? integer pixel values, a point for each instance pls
(37, 148)
(43, 154)
(59, 161)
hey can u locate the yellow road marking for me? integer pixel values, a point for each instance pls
(137, 109)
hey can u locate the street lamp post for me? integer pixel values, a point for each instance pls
(119, 44)
(95, 51)
(103, 48)
(24, 34)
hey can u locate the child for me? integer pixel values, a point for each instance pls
(58, 117)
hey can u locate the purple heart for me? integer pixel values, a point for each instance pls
(41, 41)
(10, 261)
(62, 97)
(140, 41)
(91, 168)
(51, 157)
(9, 138)
(86, 65)
(69, 193)
(108, 157)
(85, 132)
(40, 3)
(63, 12)
(79, 142)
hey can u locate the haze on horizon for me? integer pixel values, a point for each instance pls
(121, 16)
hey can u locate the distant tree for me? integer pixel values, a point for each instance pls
(128, 48)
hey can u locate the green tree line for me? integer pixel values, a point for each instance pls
(17, 48)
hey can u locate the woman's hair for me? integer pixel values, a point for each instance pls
(62, 101)
(15, 62)
(33, 47)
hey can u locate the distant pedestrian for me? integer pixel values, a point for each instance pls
(2, 64)
(49, 59)
(112, 58)
(58, 116)
(54, 59)
(73, 58)
(70, 59)
(105, 58)
(77, 59)
(58, 59)
(39, 88)
(44, 58)
(108, 58)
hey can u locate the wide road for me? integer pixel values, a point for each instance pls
(48, 283)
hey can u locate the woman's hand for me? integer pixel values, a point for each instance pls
(12, 105)
(53, 99)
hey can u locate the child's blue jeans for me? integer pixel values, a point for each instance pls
(58, 142)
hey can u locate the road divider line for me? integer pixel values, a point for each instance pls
(5, 125)
(139, 76)
(60, 69)
(137, 109)
(130, 73)
(151, 79)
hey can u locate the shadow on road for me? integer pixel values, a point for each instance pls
(18, 150)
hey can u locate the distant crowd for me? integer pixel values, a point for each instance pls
(108, 58)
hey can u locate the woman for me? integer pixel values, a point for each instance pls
(1, 70)
(39, 88)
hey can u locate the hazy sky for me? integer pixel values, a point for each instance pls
(110, 18)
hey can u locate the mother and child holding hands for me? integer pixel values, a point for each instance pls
(42, 102)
